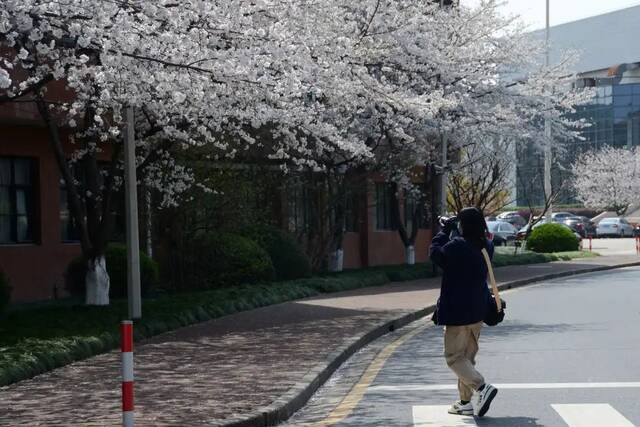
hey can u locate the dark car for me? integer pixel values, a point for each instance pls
(502, 233)
(581, 225)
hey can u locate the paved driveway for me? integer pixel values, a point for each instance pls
(607, 247)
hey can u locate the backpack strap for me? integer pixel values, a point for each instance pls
(492, 279)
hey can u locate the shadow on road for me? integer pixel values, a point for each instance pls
(507, 422)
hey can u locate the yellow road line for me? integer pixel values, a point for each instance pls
(356, 393)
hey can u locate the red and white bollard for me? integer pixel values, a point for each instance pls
(126, 346)
(590, 243)
(638, 244)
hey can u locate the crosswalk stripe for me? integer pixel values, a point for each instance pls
(509, 386)
(589, 415)
(437, 416)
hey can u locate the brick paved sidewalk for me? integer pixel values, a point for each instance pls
(211, 372)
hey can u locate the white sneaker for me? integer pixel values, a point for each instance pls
(459, 409)
(481, 400)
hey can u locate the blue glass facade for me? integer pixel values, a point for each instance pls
(614, 115)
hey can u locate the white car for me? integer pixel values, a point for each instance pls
(614, 227)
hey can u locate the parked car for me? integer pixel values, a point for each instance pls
(636, 230)
(513, 218)
(523, 231)
(581, 225)
(502, 232)
(616, 227)
(561, 216)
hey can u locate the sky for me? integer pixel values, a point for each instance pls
(561, 11)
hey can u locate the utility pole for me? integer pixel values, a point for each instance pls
(547, 133)
(131, 206)
(443, 171)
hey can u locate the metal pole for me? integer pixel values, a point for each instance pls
(443, 179)
(547, 133)
(126, 349)
(131, 207)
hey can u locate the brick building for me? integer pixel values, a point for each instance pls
(35, 241)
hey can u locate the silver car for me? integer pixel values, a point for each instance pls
(618, 227)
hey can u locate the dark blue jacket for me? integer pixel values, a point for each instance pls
(464, 294)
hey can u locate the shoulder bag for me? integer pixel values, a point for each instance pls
(494, 314)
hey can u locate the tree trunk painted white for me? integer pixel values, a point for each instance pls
(410, 252)
(97, 280)
(336, 261)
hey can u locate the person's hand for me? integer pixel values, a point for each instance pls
(448, 224)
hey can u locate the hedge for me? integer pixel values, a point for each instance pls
(552, 238)
(215, 260)
(289, 260)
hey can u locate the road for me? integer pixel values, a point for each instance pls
(567, 355)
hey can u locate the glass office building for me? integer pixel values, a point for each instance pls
(608, 60)
(614, 115)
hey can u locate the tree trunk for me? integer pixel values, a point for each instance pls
(336, 261)
(97, 282)
(410, 252)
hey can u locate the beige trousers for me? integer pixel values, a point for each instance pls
(460, 349)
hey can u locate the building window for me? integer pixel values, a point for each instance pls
(299, 209)
(385, 208)
(17, 200)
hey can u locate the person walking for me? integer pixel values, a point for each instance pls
(463, 303)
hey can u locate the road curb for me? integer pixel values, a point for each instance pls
(286, 405)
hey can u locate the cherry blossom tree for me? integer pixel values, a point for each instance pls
(608, 178)
(221, 74)
(306, 85)
(424, 71)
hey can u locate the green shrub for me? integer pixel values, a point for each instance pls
(289, 260)
(5, 292)
(552, 238)
(116, 259)
(225, 259)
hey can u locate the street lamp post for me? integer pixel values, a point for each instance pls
(443, 175)
(131, 207)
(547, 132)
